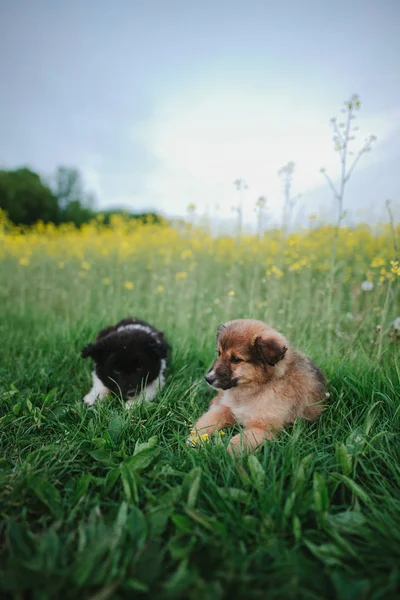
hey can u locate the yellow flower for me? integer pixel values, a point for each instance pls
(231, 293)
(191, 207)
(61, 265)
(128, 285)
(181, 275)
(395, 269)
(186, 254)
(24, 261)
(85, 265)
(275, 271)
(299, 265)
(160, 289)
(378, 261)
(198, 439)
(106, 281)
(312, 217)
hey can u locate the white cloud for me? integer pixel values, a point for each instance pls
(203, 142)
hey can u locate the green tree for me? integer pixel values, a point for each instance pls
(75, 204)
(68, 186)
(75, 213)
(26, 199)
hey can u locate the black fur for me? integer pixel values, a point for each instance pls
(128, 360)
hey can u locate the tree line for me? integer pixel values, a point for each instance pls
(27, 198)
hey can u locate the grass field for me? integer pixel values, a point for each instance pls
(107, 503)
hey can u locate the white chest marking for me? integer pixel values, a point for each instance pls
(99, 390)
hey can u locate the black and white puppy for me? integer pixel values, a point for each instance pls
(130, 360)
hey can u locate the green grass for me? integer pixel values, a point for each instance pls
(104, 503)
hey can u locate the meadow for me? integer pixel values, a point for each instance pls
(107, 503)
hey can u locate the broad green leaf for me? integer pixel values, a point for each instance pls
(129, 483)
(99, 442)
(257, 471)
(321, 500)
(158, 519)
(142, 459)
(183, 523)
(17, 408)
(296, 526)
(151, 443)
(354, 488)
(289, 505)
(116, 427)
(111, 479)
(194, 489)
(200, 518)
(343, 458)
(329, 554)
(234, 494)
(190, 477)
(20, 540)
(47, 493)
(299, 478)
(135, 585)
(104, 456)
(137, 526)
(82, 486)
(347, 521)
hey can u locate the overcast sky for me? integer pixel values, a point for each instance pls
(161, 103)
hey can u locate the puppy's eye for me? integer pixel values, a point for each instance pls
(235, 360)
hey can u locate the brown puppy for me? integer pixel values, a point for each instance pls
(263, 384)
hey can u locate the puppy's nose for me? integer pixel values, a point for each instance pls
(210, 377)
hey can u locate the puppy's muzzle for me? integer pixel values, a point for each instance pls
(220, 382)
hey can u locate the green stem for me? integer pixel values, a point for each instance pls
(383, 320)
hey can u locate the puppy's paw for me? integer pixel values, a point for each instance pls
(131, 403)
(89, 399)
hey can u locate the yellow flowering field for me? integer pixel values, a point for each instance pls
(154, 268)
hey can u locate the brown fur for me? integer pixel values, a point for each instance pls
(272, 385)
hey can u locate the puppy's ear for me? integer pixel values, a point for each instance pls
(269, 350)
(220, 329)
(156, 346)
(92, 350)
(87, 351)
